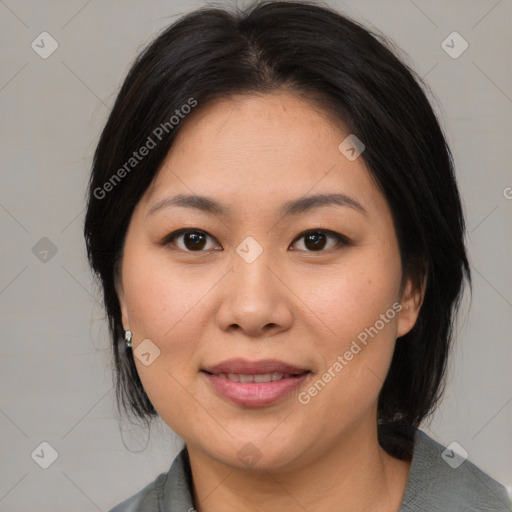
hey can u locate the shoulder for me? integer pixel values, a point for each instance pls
(146, 499)
(442, 480)
(169, 491)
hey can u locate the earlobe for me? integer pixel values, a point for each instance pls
(412, 299)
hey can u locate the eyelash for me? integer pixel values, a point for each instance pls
(341, 239)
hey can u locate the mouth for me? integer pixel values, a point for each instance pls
(257, 377)
(246, 368)
(254, 383)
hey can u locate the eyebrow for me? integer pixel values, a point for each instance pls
(293, 207)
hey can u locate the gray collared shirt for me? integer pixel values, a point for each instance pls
(433, 485)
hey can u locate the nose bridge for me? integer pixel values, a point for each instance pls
(255, 297)
(252, 276)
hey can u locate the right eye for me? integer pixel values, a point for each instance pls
(192, 240)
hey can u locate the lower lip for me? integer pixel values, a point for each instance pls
(255, 394)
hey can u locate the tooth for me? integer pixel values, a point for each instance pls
(260, 377)
(263, 377)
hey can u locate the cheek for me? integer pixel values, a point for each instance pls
(160, 297)
(357, 310)
(169, 308)
(350, 297)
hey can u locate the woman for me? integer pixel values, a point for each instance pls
(275, 221)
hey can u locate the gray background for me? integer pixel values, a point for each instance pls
(55, 382)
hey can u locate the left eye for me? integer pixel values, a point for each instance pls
(317, 240)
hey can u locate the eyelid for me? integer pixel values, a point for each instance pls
(341, 239)
(175, 234)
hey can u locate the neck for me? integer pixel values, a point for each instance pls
(354, 474)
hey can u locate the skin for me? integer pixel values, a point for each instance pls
(293, 303)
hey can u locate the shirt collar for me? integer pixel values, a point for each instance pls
(177, 491)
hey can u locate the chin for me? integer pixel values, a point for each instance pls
(258, 454)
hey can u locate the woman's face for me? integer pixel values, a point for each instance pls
(254, 280)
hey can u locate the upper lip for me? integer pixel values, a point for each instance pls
(246, 367)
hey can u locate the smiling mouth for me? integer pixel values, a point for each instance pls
(258, 378)
(255, 389)
(254, 383)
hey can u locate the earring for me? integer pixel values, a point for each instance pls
(128, 339)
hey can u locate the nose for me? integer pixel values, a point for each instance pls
(255, 298)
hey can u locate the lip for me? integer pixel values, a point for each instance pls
(255, 394)
(247, 367)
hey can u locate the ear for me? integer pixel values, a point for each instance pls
(411, 301)
(122, 303)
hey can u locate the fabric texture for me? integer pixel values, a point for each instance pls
(433, 485)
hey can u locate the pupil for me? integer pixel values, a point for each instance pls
(317, 239)
(197, 240)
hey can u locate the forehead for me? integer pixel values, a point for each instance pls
(274, 124)
(261, 149)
